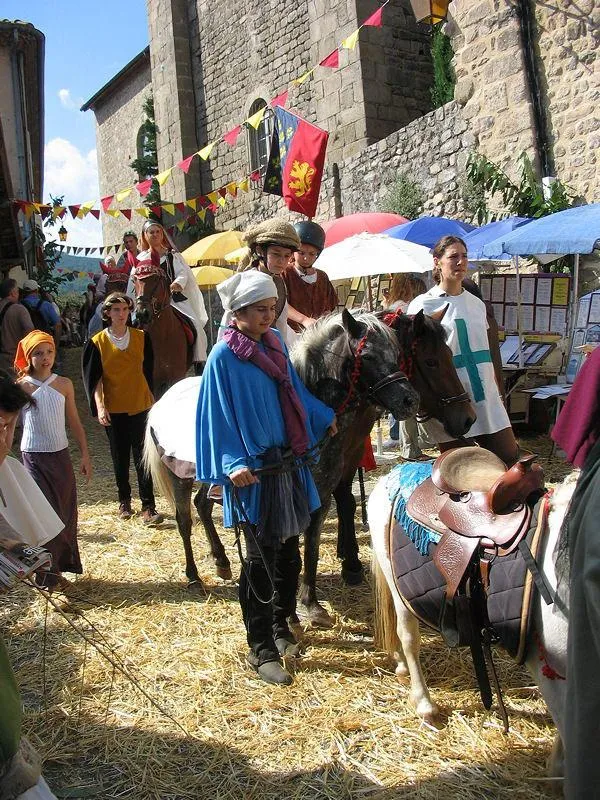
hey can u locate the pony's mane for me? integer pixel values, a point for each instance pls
(317, 353)
(433, 331)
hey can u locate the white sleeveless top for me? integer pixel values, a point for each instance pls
(44, 424)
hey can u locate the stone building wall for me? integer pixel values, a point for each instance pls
(118, 120)
(492, 84)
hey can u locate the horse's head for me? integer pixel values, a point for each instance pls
(360, 354)
(428, 362)
(152, 292)
(116, 282)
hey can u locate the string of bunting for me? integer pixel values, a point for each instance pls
(215, 199)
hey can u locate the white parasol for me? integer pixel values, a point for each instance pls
(367, 254)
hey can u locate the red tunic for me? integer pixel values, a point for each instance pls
(311, 299)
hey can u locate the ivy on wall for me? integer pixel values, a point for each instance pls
(444, 77)
(405, 197)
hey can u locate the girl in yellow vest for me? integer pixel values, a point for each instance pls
(117, 376)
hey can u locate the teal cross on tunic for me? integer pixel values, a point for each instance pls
(469, 359)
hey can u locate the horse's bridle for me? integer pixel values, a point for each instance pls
(155, 305)
(371, 391)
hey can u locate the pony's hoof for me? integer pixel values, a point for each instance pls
(353, 576)
(402, 673)
(318, 617)
(428, 711)
(196, 586)
(224, 573)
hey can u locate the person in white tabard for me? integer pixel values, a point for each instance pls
(467, 336)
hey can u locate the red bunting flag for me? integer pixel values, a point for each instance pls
(106, 201)
(222, 191)
(185, 163)
(180, 207)
(231, 136)
(374, 21)
(45, 211)
(280, 100)
(156, 210)
(332, 60)
(144, 187)
(95, 212)
(255, 176)
(74, 210)
(126, 213)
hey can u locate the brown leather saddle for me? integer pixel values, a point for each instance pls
(475, 503)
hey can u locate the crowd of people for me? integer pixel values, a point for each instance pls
(253, 410)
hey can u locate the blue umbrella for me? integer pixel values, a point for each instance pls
(428, 230)
(575, 230)
(479, 237)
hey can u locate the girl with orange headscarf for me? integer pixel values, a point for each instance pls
(45, 447)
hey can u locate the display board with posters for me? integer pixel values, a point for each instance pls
(544, 301)
(586, 331)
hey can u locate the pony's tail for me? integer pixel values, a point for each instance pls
(386, 623)
(154, 466)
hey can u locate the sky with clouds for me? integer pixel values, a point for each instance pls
(86, 44)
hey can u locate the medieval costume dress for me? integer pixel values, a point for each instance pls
(251, 409)
(188, 302)
(312, 295)
(577, 432)
(466, 325)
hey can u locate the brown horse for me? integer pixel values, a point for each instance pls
(171, 339)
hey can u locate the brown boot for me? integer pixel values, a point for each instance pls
(150, 517)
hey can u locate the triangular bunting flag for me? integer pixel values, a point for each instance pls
(163, 177)
(120, 196)
(143, 212)
(44, 211)
(185, 163)
(144, 187)
(256, 118)
(88, 250)
(106, 201)
(221, 201)
(58, 211)
(232, 189)
(332, 60)
(77, 251)
(156, 210)
(74, 210)
(212, 196)
(180, 225)
(169, 208)
(202, 214)
(280, 100)
(244, 185)
(231, 136)
(255, 176)
(193, 204)
(95, 212)
(350, 41)
(29, 210)
(374, 20)
(222, 191)
(213, 207)
(126, 213)
(181, 206)
(206, 151)
(299, 81)
(113, 212)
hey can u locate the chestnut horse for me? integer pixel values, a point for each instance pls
(171, 344)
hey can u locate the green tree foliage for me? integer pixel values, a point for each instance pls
(444, 77)
(51, 252)
(405, 197)
(146, 164)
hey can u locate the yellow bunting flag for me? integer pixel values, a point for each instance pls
(56, 210)
(143, 212)
(29, 209)
(206, 151)
(169, 208)
(350, 42)
(113, 212)
(244, 185)
(221, 201)
(82, 274)
(85, 208)
(256, 118)
(232, 188)
(212, 196)
(163, 177)
(122, 194)
(192, 204)
(202, 214)
(299, 81)
(180, 225)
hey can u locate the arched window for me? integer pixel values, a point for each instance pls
(259, 140)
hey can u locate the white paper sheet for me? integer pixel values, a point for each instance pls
(528, 290)
(542, 319)
(498, 289)
(510, 292)
(558, 320)
(510, 318)
(544, 291)
(485, 284)
(582, 312)
(595, 308)
(499, 312)
(527, 318)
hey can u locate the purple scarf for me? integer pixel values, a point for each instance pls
(275, 364)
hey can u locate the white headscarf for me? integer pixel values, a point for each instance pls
(241, 290)
(245, 288)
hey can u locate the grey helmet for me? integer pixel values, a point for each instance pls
(310, 233)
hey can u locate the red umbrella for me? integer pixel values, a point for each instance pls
(372, 222)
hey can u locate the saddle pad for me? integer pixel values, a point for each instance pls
(187, 325)
(402, 482)
(510, 593)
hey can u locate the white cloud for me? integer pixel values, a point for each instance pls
(66, 101)
(74, 175)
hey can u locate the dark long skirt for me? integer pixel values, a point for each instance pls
(53, 473)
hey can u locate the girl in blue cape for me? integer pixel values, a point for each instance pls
(252, 409)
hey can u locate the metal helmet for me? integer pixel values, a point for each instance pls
(310, 233)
